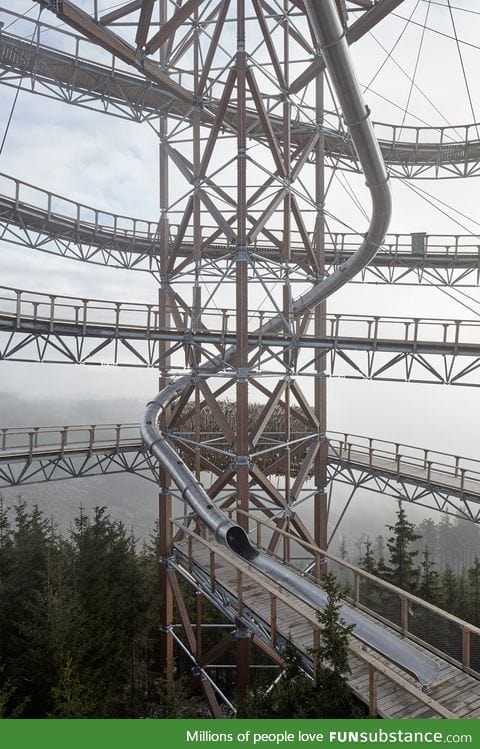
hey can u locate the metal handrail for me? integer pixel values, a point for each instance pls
(388, 134)
(343, 447)
(33, 306)
(116, 226)
(29, 441)
(348, 446)
(405, 598)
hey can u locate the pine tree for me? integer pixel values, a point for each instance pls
(446, 550)
(429, 585)
(71, 696)
(428, 532)
(343, 549)
(370, 592)
(116, 603)
(449, 591)
(333, 650)
(466, 538)
(332, 654)
(380, 550)
(6, 564)
(473, 578)
(27, 651)
(294, 694)
(367, 560)
(401, 568)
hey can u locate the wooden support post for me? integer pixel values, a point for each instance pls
(372, 692)
(273, 619)
(316, 644)
(356, 587)
(190, 554)
(211, 698)
(239, 592)
(404, 613)
(165, 535)
(198, 628)
(182, 611)
(466, 639)
(165, 591)
(212, 571)
(320, 325)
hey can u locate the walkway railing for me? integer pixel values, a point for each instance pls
(426, 146)
(428, 466)
(34, 442)
(29, 306)
(48, 205)
(102, 226)
(457, 474)
(414, 617)
(282, 602)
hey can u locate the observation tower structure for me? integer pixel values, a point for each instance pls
(258, 115)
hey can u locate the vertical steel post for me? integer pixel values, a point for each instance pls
(287, 254)
(241, 274)
(320, 329)
(164, 498)
(197, 235)
(241, 287)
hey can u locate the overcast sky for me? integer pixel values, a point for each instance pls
(113, 164)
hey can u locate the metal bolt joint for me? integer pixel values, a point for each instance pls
(242, 374)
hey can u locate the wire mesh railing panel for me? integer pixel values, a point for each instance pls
(432, 628)
(473, 644)
(379, 600)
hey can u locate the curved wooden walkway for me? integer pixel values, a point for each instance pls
(272, 614)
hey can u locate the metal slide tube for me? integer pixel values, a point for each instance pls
(324, 19)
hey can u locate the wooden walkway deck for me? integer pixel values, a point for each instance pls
(454, 694)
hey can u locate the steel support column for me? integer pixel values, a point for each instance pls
(241, 283)
(320, 327)
(165, 540)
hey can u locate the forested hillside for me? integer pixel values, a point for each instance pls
(79, 617)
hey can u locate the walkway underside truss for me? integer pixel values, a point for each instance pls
(438, 481)
(65, 228)
(26, 471)
(112, 90)
(446, 357)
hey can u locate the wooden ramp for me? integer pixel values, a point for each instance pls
(272, 614)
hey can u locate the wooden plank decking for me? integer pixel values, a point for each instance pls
(453, 694)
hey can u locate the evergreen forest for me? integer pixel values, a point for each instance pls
(79, 619)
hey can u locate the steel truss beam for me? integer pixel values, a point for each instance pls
(26, 471)
(429, 497)
(34, 328)
(69, 78)
(439, 481)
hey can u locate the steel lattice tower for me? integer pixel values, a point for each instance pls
(249, 133)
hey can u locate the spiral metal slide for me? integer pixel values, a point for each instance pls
(325, 22)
